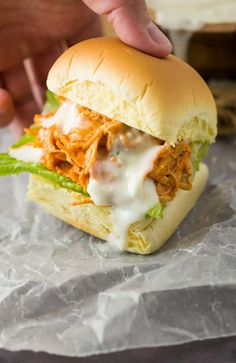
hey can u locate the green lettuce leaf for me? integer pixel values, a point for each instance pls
(199, 151)
(156, 211)
(25, 139)
(51, 104)
(10, 165)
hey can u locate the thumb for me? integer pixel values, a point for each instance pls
(133, 25)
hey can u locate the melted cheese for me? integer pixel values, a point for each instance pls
(27, 153)
(126, 190)
(67, 117)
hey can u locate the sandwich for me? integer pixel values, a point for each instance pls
(118, 150)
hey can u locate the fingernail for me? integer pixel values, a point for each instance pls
(157, 36)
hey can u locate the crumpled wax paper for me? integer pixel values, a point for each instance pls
(65, 292)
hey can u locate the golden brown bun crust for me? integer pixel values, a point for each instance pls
(144, 237)
(163, 97)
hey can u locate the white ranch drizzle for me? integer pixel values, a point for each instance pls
(27, 153)
(118, 180)
(127, 190)
(67, 117)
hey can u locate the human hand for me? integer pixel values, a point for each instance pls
(34, 33)
(133, 25)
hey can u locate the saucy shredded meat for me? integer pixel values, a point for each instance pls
(74, 154)
(172, 171)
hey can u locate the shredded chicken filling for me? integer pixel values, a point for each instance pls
(74, 154)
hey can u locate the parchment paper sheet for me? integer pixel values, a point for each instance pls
(64, 292)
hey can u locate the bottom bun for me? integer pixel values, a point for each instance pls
(144, 237)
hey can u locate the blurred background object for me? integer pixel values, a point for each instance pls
(203, 33)
(107, 27)
(225, 96)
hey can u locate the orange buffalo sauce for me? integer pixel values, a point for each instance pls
(75, 153)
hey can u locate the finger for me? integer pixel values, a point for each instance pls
(15, 80)
(35, 85)
(133, 25)
(17, 83)
(7, 110)
(41, 64)
(27, 84)
(38, 68)
(24, 116)
(30, 97)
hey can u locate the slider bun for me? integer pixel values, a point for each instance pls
(165, 98)
(144, 237)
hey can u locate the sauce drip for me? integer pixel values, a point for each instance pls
(120, 181)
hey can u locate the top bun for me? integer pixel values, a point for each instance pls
(165, 98)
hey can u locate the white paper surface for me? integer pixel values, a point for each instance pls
(64, 292)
